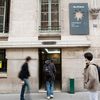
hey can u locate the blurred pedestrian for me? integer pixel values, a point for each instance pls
(24, 75)
(91, 79)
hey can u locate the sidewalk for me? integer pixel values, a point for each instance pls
(42, 96)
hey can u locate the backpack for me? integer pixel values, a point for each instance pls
(20, 76)
(47, 70)
(98, 68)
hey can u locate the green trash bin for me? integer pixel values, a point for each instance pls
(72, 90)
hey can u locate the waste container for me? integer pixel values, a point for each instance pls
(72, 85)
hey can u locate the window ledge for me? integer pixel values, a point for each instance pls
(4, 35)
(3, 75)
(49, 34)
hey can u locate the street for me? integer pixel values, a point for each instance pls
(42, 96)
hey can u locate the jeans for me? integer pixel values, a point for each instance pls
(93, 95)
(24, 86)
(49, 87)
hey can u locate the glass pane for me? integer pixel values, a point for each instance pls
(54, 1)
(3, 61)
(55, 17)
(1, 11)
(44, 8)
(2, 51)
(1, 56)
(4, 66)
(55, 25)
(54, 7)
(2, 2)
(1, 19)
(44, 16)
(44, 25)
(44, 1)
(1, 28)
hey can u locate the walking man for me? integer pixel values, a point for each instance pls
(49, 71)
(24, 75)
(91, 79)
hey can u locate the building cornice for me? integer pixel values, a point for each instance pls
(44, 43)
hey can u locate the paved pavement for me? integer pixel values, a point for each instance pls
(42, 96)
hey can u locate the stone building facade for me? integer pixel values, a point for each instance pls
(41, 29)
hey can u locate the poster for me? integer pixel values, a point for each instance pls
(79, 18)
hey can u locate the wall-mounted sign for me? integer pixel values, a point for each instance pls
(79, 20)
(49, 42)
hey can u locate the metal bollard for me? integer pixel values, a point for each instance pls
(72, 90)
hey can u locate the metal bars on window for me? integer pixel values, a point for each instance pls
(4, 15)
(49, 15)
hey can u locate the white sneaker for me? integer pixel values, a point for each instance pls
(51, 96)
(48, 98)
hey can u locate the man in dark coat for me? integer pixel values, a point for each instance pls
(49, 71)
(24, 75)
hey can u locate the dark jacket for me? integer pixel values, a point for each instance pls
(52, 71)
(24, 73)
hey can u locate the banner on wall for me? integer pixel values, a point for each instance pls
(79, 18)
